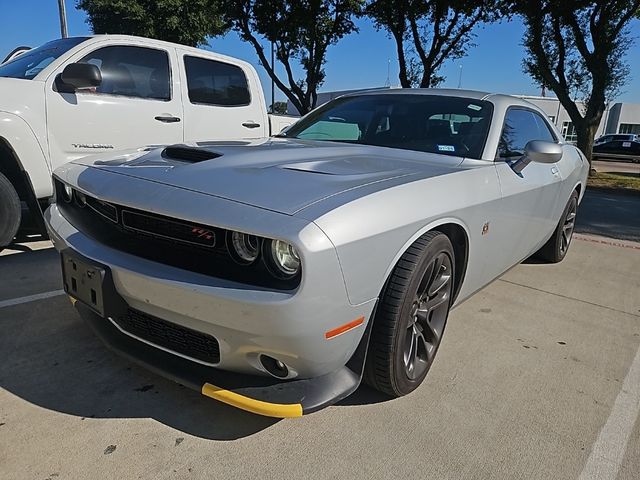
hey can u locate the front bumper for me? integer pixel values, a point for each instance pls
(246, 321)
(256, 394)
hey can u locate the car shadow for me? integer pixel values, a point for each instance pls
(364, 395)
(50, 358)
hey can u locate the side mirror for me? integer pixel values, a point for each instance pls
(81, 75)
(538, 151)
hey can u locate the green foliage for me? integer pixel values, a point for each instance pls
(279, 108)
(429, 32)
(577, 49)
(188, 22)
(301, 31)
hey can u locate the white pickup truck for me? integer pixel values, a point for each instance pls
(78, 96)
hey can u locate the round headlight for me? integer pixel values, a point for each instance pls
(67, 193)
(284, 261)
(243, 248)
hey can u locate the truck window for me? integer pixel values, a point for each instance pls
(132, 72)
(216, 83)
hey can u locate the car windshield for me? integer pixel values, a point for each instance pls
(427, 123)
(32, 62)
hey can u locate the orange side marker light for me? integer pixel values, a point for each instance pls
(344, 328)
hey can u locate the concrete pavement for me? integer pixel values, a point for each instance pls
(526, 381)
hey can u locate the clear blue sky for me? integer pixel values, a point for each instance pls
(359, 61)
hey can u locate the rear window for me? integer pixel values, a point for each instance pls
(216, 83)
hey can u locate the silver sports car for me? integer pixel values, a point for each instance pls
(275, 275)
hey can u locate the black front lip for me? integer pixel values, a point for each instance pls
(259, 394)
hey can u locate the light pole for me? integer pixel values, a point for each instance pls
(273, 85)
(63, 19)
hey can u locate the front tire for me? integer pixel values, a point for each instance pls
(10, 212)
(411, 316)
(557, 246)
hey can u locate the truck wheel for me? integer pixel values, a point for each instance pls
(10, 212)
(557, 246)
(411, 316)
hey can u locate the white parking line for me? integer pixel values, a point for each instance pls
(608, 451)
(30, 298)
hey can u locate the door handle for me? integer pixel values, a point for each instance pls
(250, 124)
(555, 171)
(167, 119)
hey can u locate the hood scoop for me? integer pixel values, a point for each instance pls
(185, 153)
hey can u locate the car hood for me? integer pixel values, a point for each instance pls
(282, 175)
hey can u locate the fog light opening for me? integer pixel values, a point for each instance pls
(274, 367)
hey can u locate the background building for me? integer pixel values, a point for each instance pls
(617, 118)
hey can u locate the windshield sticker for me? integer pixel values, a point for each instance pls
(446, 148)
(474, 107)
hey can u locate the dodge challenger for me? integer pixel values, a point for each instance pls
(275, 275)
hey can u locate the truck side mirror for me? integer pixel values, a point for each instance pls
(81, 75)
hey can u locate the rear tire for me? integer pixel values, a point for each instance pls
(411, 316)
(557, 246)
(10, 212)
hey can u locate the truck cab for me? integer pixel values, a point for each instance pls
(78, 96)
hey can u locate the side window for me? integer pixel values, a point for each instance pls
(216, 83)
(520, 127)
(132, 71)
(544, 131)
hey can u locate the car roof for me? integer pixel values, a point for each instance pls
(495, 98)
(447, 92)
(161, 43)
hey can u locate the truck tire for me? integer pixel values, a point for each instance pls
(10, 212)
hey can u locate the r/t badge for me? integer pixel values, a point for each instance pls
(485, 228)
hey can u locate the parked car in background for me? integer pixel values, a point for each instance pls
(620, 147)
(275, 274)
(77, 96)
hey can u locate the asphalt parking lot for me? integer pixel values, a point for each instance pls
(538, 377)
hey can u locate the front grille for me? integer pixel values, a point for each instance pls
(176, 338)
(169, 241)
(174, 230)
(105, 209)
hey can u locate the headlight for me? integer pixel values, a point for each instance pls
(282, 259)
(67, 193)
(243, 248)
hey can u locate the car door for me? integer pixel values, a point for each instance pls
(136, 104)
(530, 200)
(221, 101)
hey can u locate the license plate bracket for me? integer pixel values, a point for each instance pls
(84, 282)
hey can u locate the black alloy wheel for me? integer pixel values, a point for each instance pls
(411, 317)
(558, 245)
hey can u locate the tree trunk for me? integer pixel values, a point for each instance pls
(586, 132)
(427, 73)
(402, 62)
